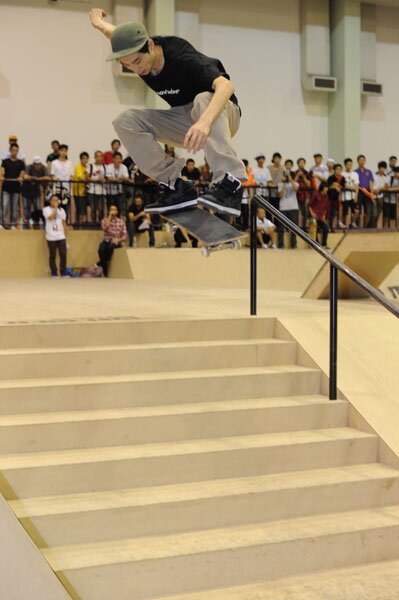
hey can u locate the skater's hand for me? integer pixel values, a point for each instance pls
(196, 137)
(97, 15)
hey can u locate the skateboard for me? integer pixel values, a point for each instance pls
(214, 233)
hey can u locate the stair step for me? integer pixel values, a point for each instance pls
(125, 331)
(376, 581)
(227, 556)
(115, 391)
(96, 517)
(162, 423)
(145, 358)
(94, 469)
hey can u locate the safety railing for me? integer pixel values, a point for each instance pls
(335, 266)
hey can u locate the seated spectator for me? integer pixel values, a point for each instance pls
(319, 170)
(12, 139)
(55, 217)
(264, 229)
(336, 184)
(303, 179)
(96, 189)
(205, 175)
(34, 182)
(170, 151)
(248, 193)
(54, 154)
(366, 196)
(380, 188)
(191, 172)
(62, 171)
(115, 234)
(350, 195)
(288, 206)
(181, 236)
(13, 169)
(108, 155)
(81, 173)
(138, 221)
(319, 207)
(390, 206)
(116, 173)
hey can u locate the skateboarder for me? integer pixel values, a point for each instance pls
(203, 115)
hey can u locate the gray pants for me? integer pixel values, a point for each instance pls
(141, 129)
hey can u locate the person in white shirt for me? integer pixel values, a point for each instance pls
(264, 229)
(380, 187)
(6, 153)
(116, 173)
(62, 171)
(96, 189)
(55, 218)
(319, 170)
(288, 204)
(350, 194)
(260, 172)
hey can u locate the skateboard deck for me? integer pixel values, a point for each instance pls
(214, 233)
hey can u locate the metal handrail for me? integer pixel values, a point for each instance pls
(335, 266)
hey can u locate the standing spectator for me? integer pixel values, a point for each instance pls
(56, 235)
(109, 154)
(264, 229)
(96, 192)
(319, 206)
(319, 170)
(390, 206)
(11, 168)
(366, 197)
(205, 175)
(260, 172)
(190, 172)
(12, 139)
(62, 171)
(247, 195)
(336, 184)
(115, 234)
(35, 178)
(288, 205)
(276, 171)
(303, 180)
(138, 221)
(381, 185)
(350, 194)
(54, 154)
(330, 166)
(392, 164)
(81, 173)
(116, 173)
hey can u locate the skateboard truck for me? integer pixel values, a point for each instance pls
(208, 250)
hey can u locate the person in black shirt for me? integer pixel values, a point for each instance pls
(191, 172)
(203, 115)
(55, 145)
(11, 169)
(336, 184)
(33, 186)
(138, 221)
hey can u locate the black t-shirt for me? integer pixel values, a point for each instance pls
(334, 194)
(194, 175)
(186, 72)
(52, 156)
(33, 187)
(136, 210)
(12, 170)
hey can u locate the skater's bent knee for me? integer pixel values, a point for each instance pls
(126, 120)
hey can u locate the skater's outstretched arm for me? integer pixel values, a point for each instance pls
(97, 18)
(198, 134)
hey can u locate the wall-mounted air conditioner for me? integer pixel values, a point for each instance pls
(319, 83)
(371, 88)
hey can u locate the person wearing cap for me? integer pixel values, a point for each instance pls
(330, 166)
(203, 115)
(12, 139)
(33, 186)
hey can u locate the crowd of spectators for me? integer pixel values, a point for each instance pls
(321, 198)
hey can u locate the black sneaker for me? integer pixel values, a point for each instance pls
(225, 196)
(182, 196)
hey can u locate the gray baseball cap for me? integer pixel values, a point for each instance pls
(126, 39)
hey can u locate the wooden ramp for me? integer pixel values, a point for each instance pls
(372, 255)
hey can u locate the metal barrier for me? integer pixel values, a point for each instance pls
(335, 266)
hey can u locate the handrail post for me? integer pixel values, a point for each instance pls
(333, 330)
(253, 267)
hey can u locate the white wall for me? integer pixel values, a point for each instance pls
(54, 81)
(380, 116)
